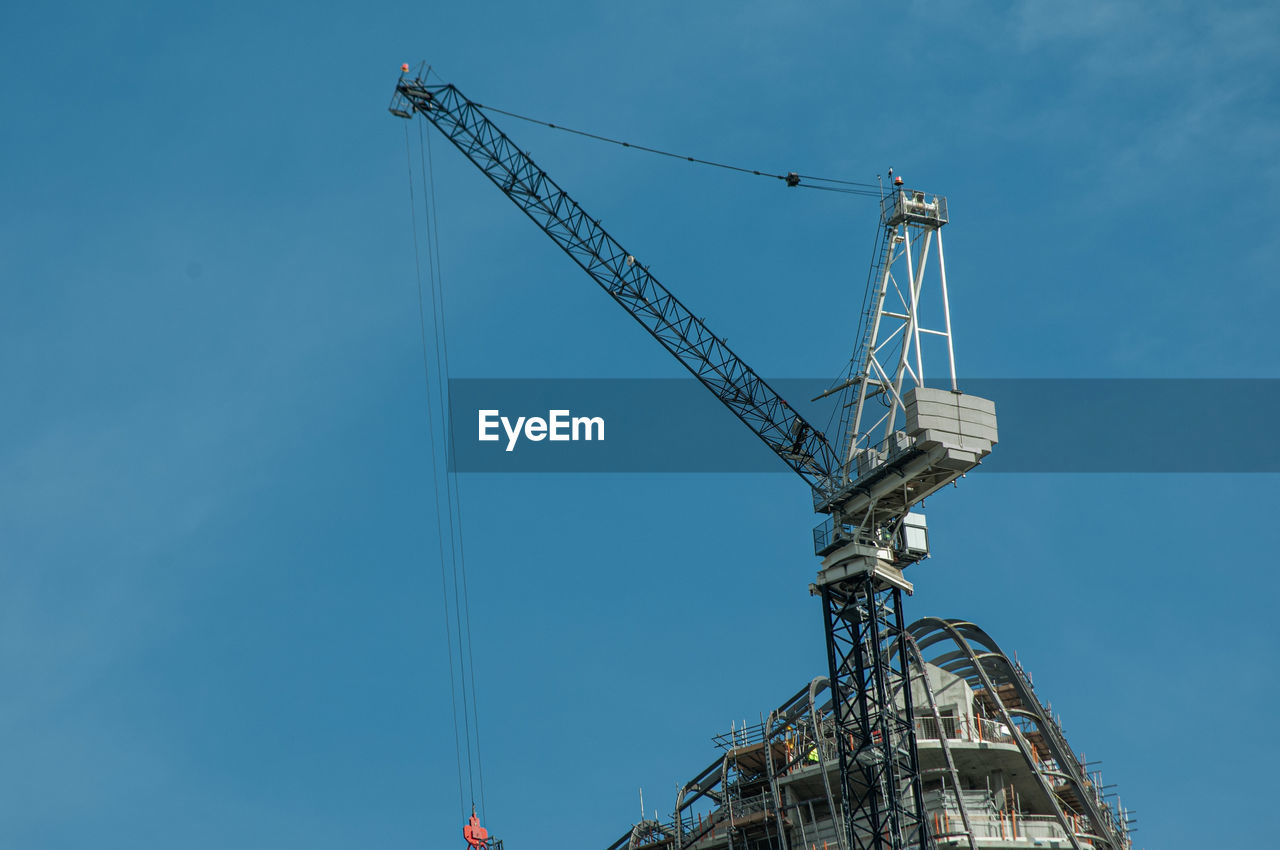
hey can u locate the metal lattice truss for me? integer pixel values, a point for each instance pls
(910, 285)
(962, 648)
(627, 280)
(738, 799)
(872, 714)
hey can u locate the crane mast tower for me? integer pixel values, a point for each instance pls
(902, 441)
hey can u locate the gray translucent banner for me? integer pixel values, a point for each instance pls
(1046, 425)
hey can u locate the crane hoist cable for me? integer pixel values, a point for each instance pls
(839, 411)
(461, 663)
(451, 480)
(426, 372)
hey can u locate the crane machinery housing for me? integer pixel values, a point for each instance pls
(861, 735)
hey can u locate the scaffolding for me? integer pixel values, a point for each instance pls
(994, 765)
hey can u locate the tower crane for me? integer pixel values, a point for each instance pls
(901, 440)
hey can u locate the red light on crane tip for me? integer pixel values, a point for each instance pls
(404, 69)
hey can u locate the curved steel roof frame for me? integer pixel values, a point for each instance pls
(944, 744)
(979, 660)
(956, 646)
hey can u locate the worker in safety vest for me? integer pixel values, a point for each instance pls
(476, 835)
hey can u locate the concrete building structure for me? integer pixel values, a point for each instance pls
(996, 768)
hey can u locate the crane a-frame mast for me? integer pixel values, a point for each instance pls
(868, 492)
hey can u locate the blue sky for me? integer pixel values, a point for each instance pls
(219, 615)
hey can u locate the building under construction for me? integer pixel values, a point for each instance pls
(919, 736)
(995, 769)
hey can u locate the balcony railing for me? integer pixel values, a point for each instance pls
(866, 462)
(909, 205)
(963, 729)
(990, 822)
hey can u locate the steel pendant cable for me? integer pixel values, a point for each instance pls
(792, 178)
(457, 619)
